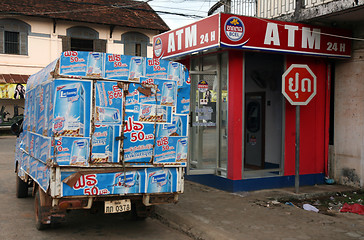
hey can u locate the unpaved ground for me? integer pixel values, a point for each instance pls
(207, 213)
(330, 204)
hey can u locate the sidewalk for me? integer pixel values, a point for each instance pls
(207, 213)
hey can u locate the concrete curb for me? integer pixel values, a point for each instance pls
(194, 229)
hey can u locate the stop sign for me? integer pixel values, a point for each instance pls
(299, 84)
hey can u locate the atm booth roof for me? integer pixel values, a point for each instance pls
(250, 33)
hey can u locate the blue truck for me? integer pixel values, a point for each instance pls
(106, 128)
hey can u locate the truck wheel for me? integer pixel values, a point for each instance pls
(21, 188)
(40, 212)
(140, 212)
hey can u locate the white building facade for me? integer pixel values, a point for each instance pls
(34, 33)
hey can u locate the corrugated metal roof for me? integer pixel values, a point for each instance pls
(13, 78)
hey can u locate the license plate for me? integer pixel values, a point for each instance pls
(117, 206)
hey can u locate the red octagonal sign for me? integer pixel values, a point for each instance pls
(299, 84)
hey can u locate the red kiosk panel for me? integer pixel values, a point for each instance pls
(312, 123)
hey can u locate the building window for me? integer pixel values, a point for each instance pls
(78, 44)
(11, 40)
(138, 49)
(14, 36)
(135, 44)
(83, 39)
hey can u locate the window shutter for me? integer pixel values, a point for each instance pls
(100, 45)
(66, 43)
(129, 48)
(23, 37)
(1, 40)
(144, 49)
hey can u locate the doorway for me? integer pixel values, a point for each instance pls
(255, 129)
(263, 115)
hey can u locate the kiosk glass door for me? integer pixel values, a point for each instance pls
(208, 116)
(204, 140)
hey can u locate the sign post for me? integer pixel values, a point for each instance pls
(298, 87)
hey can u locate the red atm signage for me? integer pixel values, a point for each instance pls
(198, 36)
(241, 32)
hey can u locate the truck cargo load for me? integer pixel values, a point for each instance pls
(103, 127)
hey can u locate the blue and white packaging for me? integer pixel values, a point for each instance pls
(136, 69)
(105, 149)
(73, 63)
(140, 140)
(128, 182)
(72, 151)
(63, 98)
(132, 98)
(157, 68)
(108, 103)
(182, 150)
(183, 94)
(118, 183)
(161, 180)
(26, 113)
(32, 109)
(144, 99)
(175, 72)
(33, 167)
(25, 161)
(169, 93)
(165, 150)
(95, 63)
(45, 149)
(171, 151)
(155, 113)
(40, 114)
(117, 66)
(71, 116)
(31, 140)
(46, 102)
(107, 115)
(80, 152)
(43, 175)
(48, 108)
(183, 100)
(24, 140)
(178, 127)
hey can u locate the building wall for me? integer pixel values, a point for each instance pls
(284, 10)
(44, 45)
(347, 153)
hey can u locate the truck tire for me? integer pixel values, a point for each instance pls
(140, 212)
(40, 212)
(21, 188)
